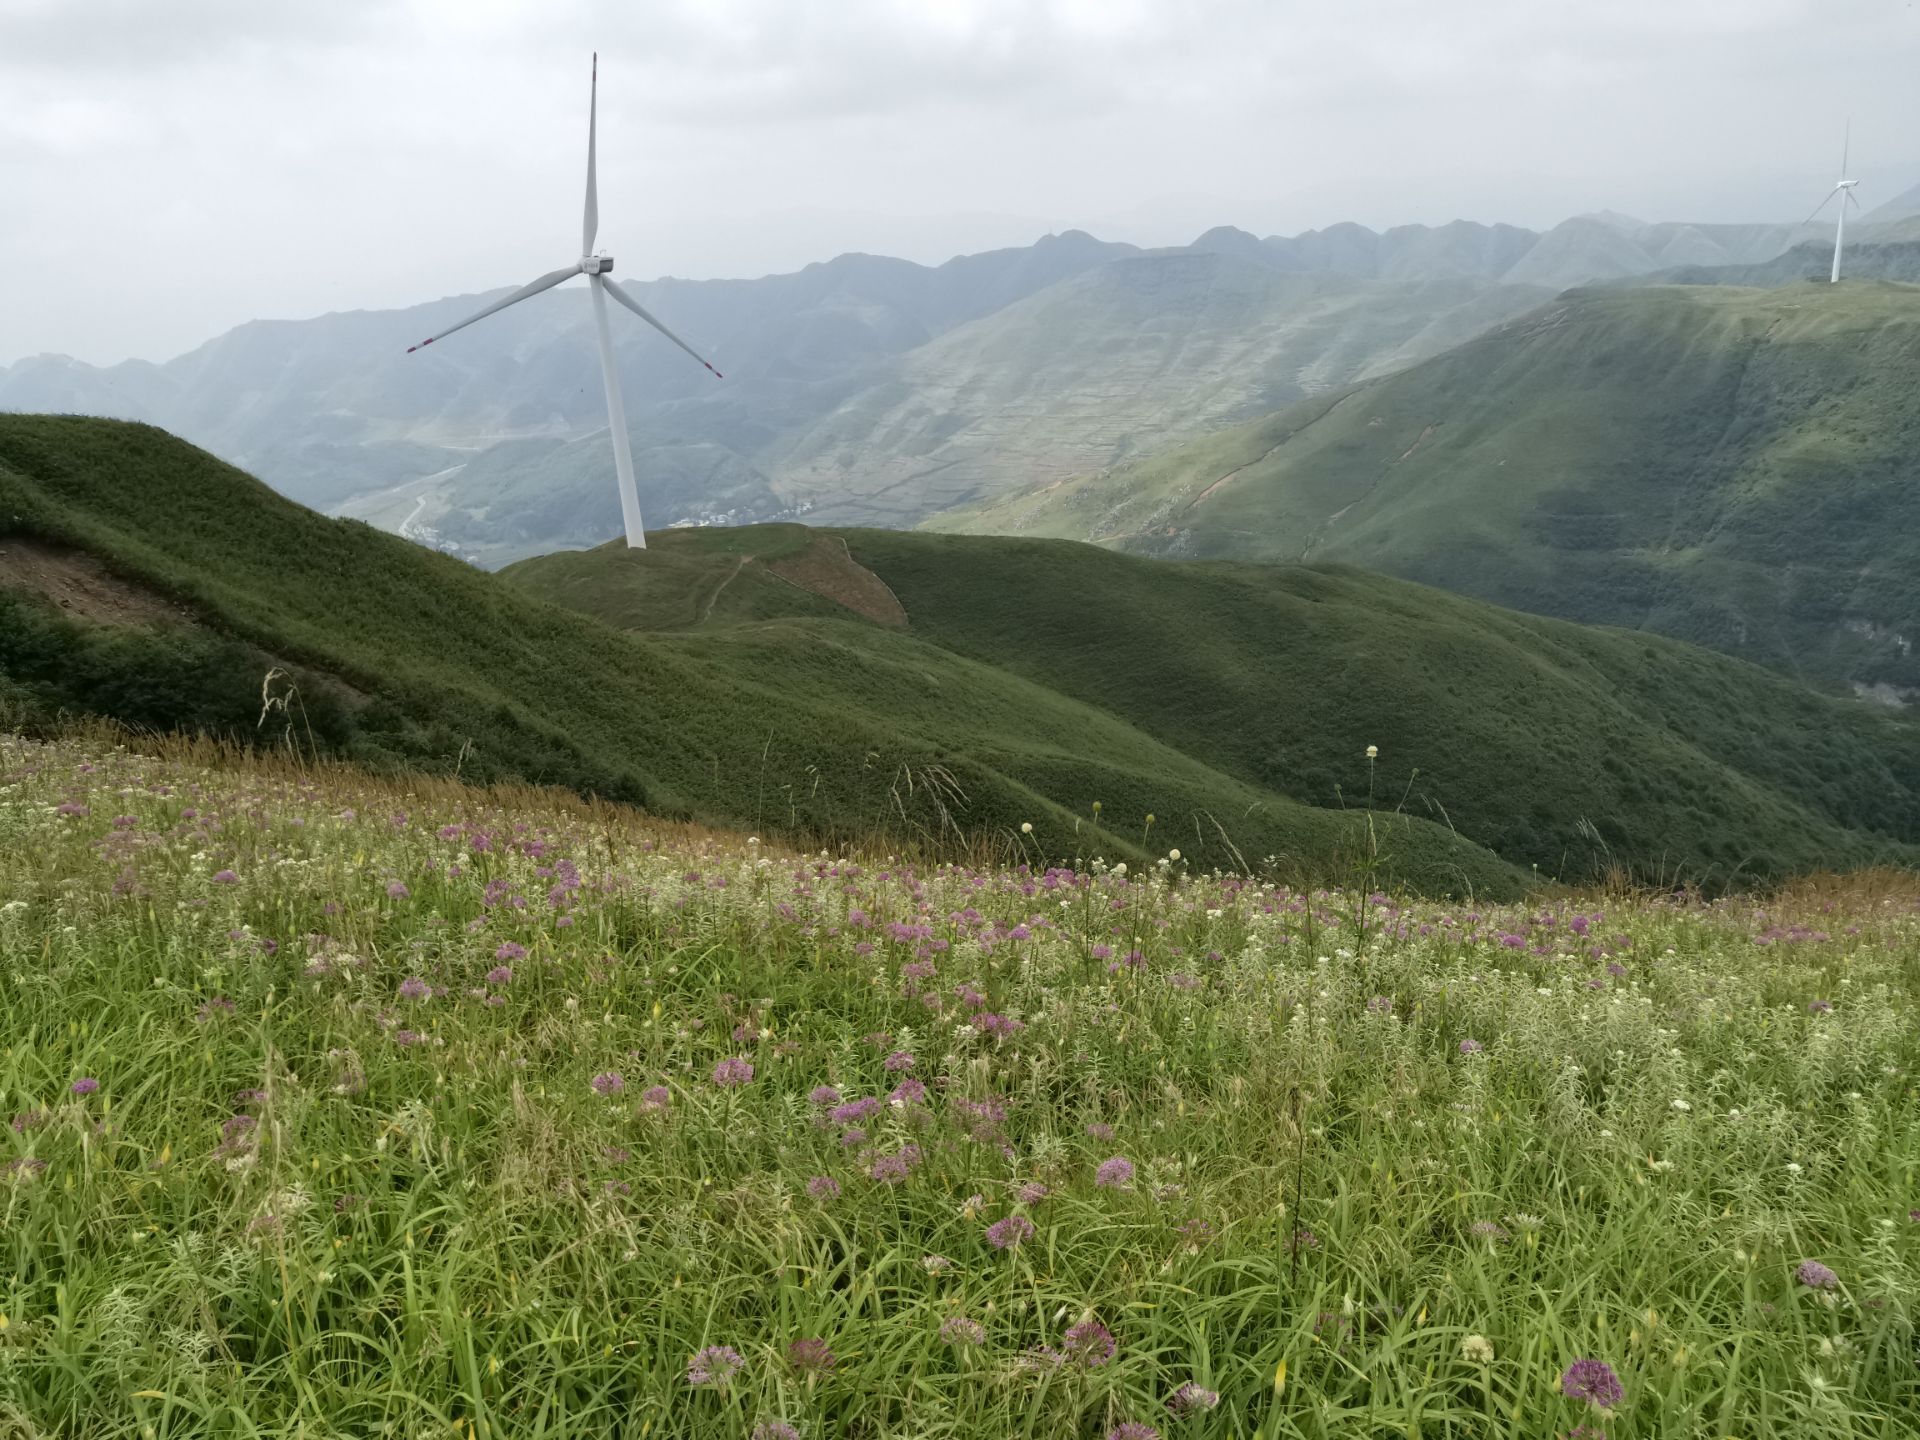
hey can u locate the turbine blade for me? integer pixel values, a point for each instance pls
(590, 220)
(637, 308)
(545, 282)
(1851, 201)
(1846, 147)
(1822, 205)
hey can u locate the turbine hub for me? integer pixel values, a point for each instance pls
(596, 264)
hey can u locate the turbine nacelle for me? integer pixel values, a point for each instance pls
(596, 264)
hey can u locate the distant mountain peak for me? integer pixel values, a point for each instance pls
(1615, 219)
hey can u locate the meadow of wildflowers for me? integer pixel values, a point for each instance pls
(348, 1107)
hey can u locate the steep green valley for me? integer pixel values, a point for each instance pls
(1737, 468)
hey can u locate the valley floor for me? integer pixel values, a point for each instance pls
(345, 1106)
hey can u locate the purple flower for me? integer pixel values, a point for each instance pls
(1031, 1193)
(654, 1099)
(892, 1169)
(823, 1187)
(1815, 1276)
(1002, 1025)
(1471, 1047)
(500, 975)
(1133, 1430)
(1380, 1005)
(1114, 1174)
(407, 1037)
(733, 1071)
(908, 1092)
(899, 1060)
(1302, 1239)
(1008, 1233)
(1594, 1382)
(957, 1330)
(1190, 1398)
(1819, 1007)
(854, 1111)
(414, 988)
(714, 1366)
(396, 890)
(810, 1355)
(774, 1430)
(1100, 1130)
(226, 877)
(824, 1095)
(85, 1085)
(1089, 1344)
(610, 1082)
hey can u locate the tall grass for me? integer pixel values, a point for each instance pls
(341, 1176)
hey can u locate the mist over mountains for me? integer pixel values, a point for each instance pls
(859, 390)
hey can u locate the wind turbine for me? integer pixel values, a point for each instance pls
(600, 283)
(1845, 191)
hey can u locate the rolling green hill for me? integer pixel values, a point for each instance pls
(1550, 743)
(143, 579)
(934, 689)
(1738, 468)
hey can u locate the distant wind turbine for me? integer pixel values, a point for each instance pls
(1845, 191)
(599, 272)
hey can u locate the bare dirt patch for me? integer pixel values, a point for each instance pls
(828, 569)
(81, 585)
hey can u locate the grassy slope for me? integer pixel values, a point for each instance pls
(1530, 736)
(392, 1235)
(405, 657)
(1731, 467)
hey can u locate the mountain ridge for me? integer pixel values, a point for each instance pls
(333, 412)
(1733, 467)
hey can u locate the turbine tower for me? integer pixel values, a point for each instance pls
(600, 284)
(1845, 191)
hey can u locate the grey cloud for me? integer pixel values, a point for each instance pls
(238, 158)
(107, 35)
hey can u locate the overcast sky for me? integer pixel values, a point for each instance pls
(170, 168)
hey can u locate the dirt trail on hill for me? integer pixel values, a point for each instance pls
(80, 584)
(827, 568)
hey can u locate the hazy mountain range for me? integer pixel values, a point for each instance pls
(859, 390)
(1735, 467)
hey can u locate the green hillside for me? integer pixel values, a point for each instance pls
(1550, 743)
(142, 579)
(1737, 468)
(932, 689)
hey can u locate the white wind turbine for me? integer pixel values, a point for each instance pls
(598, 270)
(1845, 191)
